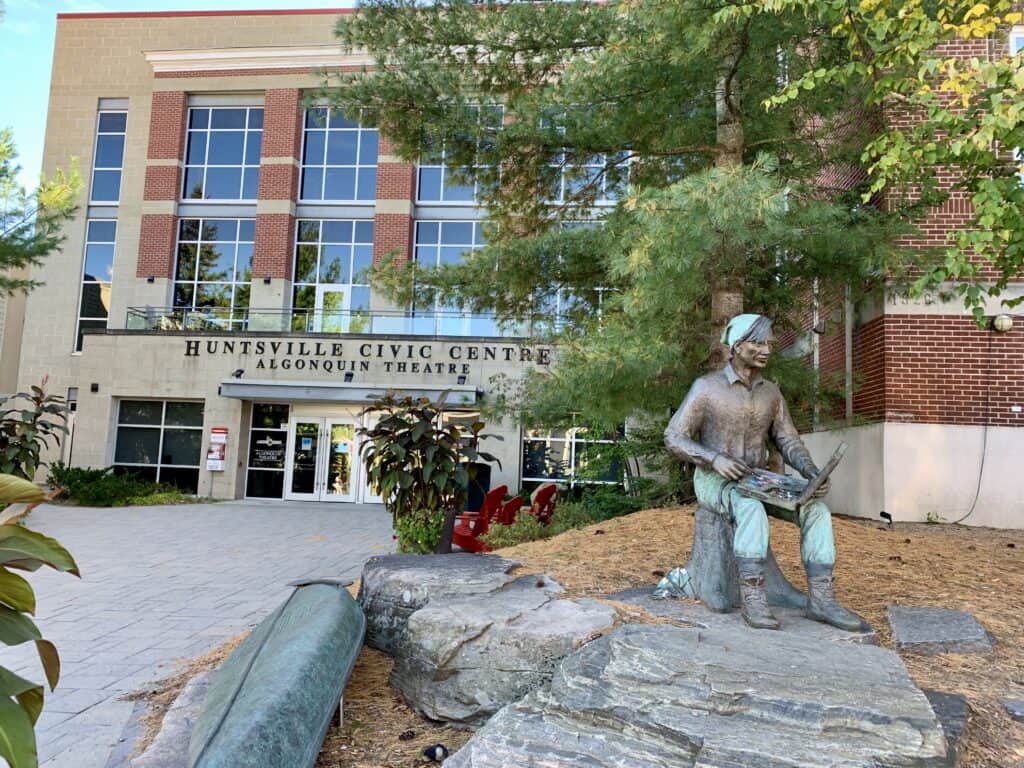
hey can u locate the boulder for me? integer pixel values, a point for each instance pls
(663, 696)
(1014, 708)
(937, 630)
(954, 713)
(461, 659)
(393, 587)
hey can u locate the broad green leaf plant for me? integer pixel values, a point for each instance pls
(26, 431)
(22, 549)
(420, 468)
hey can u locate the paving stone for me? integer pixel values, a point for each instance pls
(170, 747)
(1014, 708)
(932, 631)
(696, 614)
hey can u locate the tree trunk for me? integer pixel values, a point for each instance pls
(712, 568)
(444, 545)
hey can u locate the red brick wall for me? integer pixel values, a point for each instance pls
(167, 125)
(945, 370)
(157, 238)
(282, 122)
(396, 181)
(163, 182)
(273, 252)
(869, 369)
(392, 232)
(275, 245)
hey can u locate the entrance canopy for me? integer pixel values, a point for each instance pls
(338, 392)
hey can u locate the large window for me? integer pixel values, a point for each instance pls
(97, 273)
(222, 154)
(573, 456)
(331, 288)
(267, 440)
(600, 178)
(339, 158)
(160, 441)
(1016, 40)
(214, 267)
(436, 182)
(108, 158)
(447, 242)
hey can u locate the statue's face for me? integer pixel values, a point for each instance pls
(753, 354)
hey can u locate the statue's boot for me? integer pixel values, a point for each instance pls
(822, 604)
(755, 600)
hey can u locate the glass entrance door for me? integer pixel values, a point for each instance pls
(321, 460)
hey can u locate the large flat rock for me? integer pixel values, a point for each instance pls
(937, 630)
(669, 697)
(459, 660)
(690, 612)
(393, 587)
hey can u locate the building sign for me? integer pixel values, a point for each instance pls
(430, 359)
(267, 453)
(216, 452)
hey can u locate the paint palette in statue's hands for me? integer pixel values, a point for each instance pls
(786, 491)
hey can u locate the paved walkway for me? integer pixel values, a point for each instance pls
(163, 584)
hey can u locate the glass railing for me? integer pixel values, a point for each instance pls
(377, 322)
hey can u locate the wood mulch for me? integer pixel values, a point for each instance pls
(978, 570)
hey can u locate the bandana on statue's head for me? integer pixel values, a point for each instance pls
(754, 328)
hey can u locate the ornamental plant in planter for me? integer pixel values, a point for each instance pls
(420, 468)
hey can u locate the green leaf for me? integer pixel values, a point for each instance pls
(15, 489)
(17, 739)
(16, 592)
(51, 661)
(16, 628)
(28, 694)
(26, 549)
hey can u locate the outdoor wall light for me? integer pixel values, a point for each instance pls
(461, 379)
(266, 280)
(1002, 323)
(151, 279)
(237, 373)
(349, 376)
(94, 387)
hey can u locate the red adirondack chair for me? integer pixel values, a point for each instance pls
(469, 527)
(509, 510)
(542, 502)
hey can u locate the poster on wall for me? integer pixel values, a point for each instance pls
(216, 453)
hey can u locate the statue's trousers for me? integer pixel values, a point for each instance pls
(751, 519)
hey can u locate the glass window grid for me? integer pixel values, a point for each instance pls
(570, 444)
(434, 166)
(1016, 40)
(575, 176)
(313, 234)
(163, 427)
(108, 167)
(187, 291)
(253, 427)
(249, 165)
(95, 293)
(314, 179)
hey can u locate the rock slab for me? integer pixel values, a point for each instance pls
(460, 660)
(688, 612)
(669, 697)
(931, 631)
(953, 712)
(1014, 708)
(393, 587)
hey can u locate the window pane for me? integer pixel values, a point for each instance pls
(84, 325)
(227, 118)
(360, 299)
(367, 181)
(224, 230)
(457, 193)
(189, 229)
(256, 118)
(337, 232)
(184, 293)
(342, 147)
(252, 148)
(305, 297)
(335, 263)
(427, 232)
(457, 233)
(312, 184)
(309, 231)
(196, 153)
(101, 231)
(193, 189)
(137, 445)
(95, 299)
(213, 295)
(429, 187)
(339, 184)
(99, 261)
(106, 185)
(225, 148)
(305, 264)
(362, 259)
(242, 293)
(247, 230)
(250, 183)
(186, 269)
(313, 153)
(216, 262)
(109, 151)
(364, 232)
(243, 263)
(184, 414)
(183, 479)
(198, 118)
(368, 148)
(546, 459)
(316, 117)
(181, 446)
(269, 416)
(113, 122)
(264, 484)
(452, 255)
(141, 412)
(266, 448)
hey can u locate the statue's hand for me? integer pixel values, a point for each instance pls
(823, 489)
(728, 467)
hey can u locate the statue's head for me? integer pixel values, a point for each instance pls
(749, 338)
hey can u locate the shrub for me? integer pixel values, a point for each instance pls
(26, 431)
(107, 488)
(568, 515)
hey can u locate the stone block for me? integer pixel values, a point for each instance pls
(932, 631)
(393, 587)
(953, 713)
(1014, 708)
